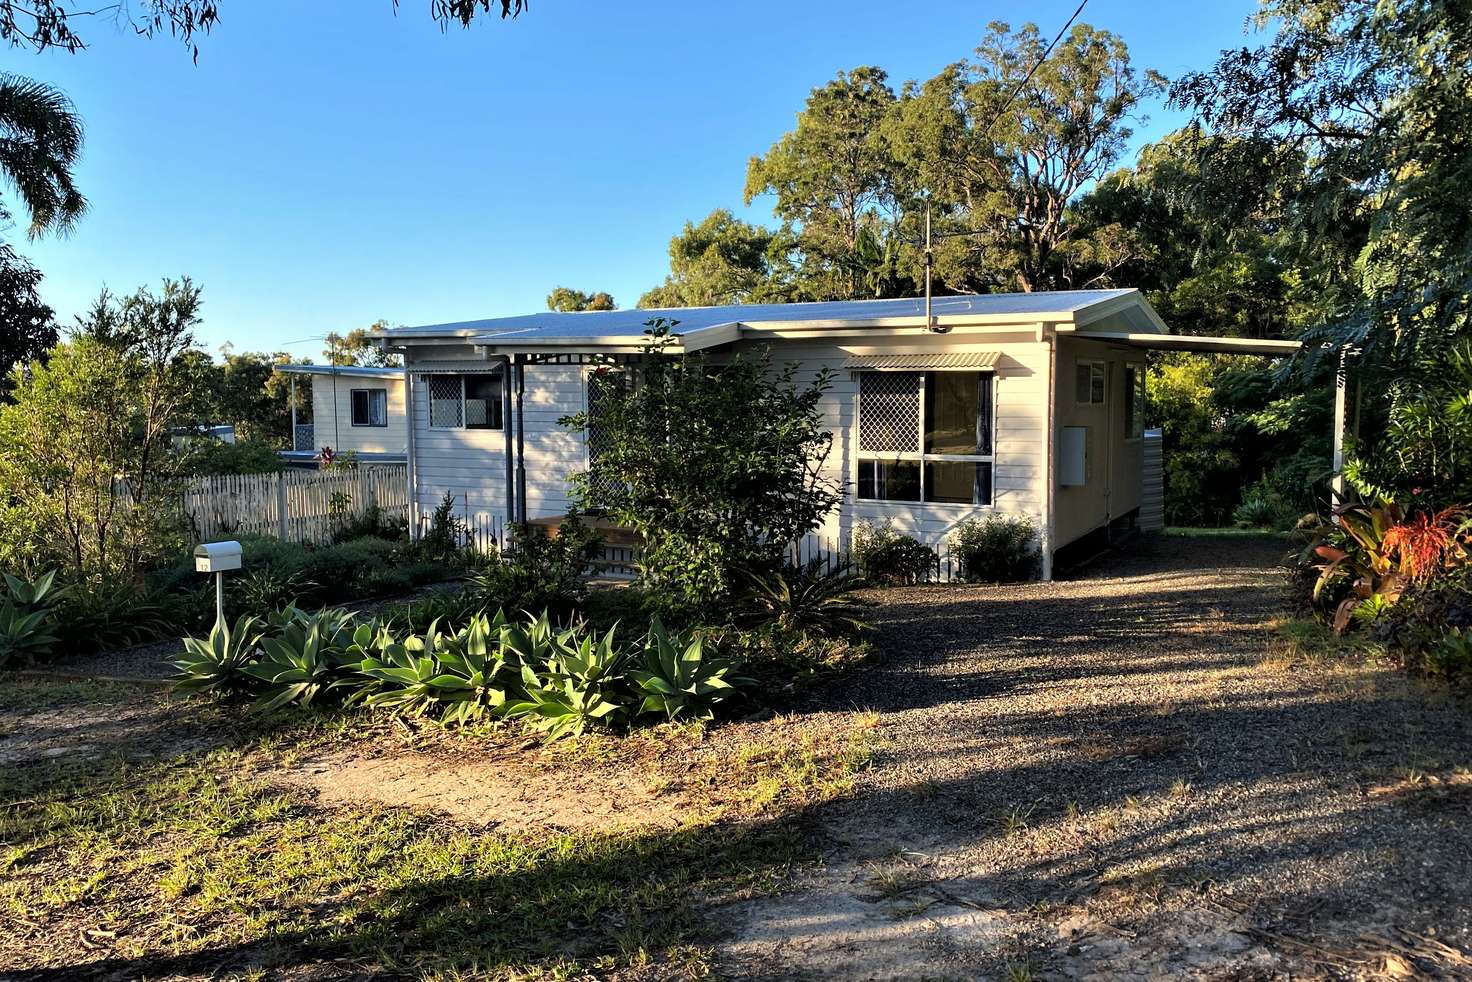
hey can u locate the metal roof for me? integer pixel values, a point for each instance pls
(603, 325)
(352, 371)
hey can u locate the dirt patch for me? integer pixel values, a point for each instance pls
(500, 792)
(86, 720)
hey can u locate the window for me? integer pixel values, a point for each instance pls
(470, 402)
(926, 436)
(370, 407)
(482, 402)
(1134, 401)
(1089, 383)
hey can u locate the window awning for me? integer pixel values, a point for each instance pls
(984, 361)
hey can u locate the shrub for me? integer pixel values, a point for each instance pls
(805, 598)
(99, 616)
(1420, 623)
(371, 522)
(217, 663)
(542, 571)
(717, 467)
(995, 549)
(26, 618)
(884, 555)
(447, 535)
(678, 680)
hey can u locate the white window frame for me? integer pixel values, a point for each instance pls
(1136, 432)
(371, 393)
(861, 456)
(1093, 364)
(462, 376)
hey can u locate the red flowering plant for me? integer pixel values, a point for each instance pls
(1370, 554)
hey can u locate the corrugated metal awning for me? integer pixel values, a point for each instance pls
(974, 360)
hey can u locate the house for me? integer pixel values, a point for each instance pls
(353, 408)
(1024, 404)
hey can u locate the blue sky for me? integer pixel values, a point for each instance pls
(317, 171)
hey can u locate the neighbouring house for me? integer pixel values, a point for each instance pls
(1024, 404)
(353, 408)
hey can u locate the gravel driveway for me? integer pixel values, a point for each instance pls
(1109, 778)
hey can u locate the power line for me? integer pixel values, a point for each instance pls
(1034, 69)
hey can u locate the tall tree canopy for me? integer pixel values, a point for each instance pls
(357, 348)
(1004, 155)
(27, 325)
(1376, 97)
(834, 182)
(567, 299)
(723, 260)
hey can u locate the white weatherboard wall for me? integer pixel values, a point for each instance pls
(1021, 401)
(470, 465)
(332, 421)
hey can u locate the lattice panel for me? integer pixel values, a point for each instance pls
(600, 389)
(445, 406)
(889, 412)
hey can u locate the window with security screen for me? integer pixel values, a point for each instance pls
(466, 402)
(926, 436)
(446, 402)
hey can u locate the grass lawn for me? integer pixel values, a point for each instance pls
(139, 857)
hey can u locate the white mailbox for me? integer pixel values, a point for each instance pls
(216, 557)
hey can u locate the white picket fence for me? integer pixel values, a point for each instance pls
(295, 506)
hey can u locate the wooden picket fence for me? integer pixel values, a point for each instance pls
(295, 506)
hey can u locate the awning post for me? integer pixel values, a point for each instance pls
(1341, 380)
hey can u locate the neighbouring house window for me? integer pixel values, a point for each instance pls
(370, 407)
(926, 436)
(1134, 401)
(1089, 383)
(470, 402)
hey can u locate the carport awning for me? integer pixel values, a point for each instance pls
(1186, 342)
(975, 360)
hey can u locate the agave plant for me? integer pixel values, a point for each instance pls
(472, 666)
(217, 662)
(401, 673)
(677, 679)
(25, 619)
(578, 686)
(806, 597)
(309, 656)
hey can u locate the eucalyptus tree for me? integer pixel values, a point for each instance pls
(833, 180)
(1005, 142)
(43, 24)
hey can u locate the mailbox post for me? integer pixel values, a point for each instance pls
(217, 557)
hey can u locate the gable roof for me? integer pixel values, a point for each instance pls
(613, 327)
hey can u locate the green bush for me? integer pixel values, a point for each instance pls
(103, 616)
(1429, 626)
(678, 679)
(995, 549)
(886, 556)
(542, 572)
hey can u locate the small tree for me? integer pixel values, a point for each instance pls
(718, 466)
